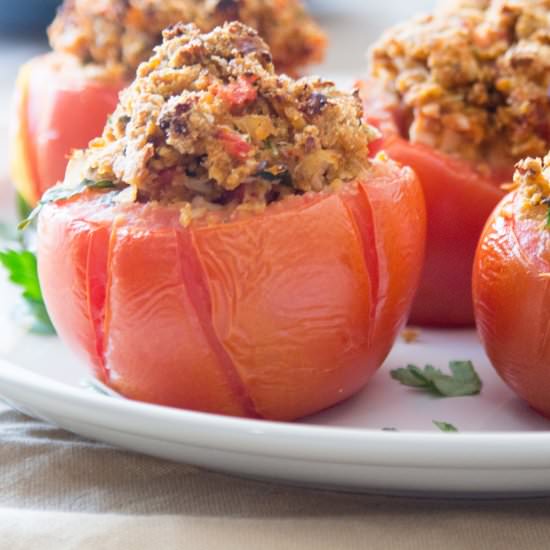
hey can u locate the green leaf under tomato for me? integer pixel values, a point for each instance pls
(445, 426)
(22, 269)
(61, 192)
(464, 380)
(23, 272)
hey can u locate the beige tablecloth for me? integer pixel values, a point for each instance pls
(58, 491)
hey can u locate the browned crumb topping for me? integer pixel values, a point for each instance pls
(124, 32)
(209, 121)
(410, 335)
(473, 81)
(532, 178)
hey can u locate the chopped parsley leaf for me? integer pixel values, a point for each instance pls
(445, 426)
(463, 380)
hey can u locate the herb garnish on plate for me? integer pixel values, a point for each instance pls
(462, 381)
(445, 426)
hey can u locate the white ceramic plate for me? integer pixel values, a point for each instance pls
(502, 447)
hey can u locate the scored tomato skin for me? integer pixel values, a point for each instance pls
(148, 310)
(391, 247)
(459, 199)
(276, 315)
(72, 307)
(511, 287)
(59, 107)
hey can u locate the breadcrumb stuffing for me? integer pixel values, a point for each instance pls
(532, 179)
(410, 335)
(208, 122)
(124, 32)
(473, 79)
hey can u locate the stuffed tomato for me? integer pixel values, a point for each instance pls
(60, 106)
(243, 256)
(512, 285)
(460, 96)
(63, 99)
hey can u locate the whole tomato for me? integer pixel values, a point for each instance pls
(276, 315)
(512, 297)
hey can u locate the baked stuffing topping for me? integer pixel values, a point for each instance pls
(124, 32)
(532, 178)
(208, 122)
(473, 81)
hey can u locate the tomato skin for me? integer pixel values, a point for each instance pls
(59, 107)
(458, 202)
(276, 315)
(512, 300)
(69, 268)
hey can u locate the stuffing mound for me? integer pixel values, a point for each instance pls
(124, 32)
(532, 178)
(473, 79)
(209, 122)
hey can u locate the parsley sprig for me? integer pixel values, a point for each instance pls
(462, 381)
(445, 426)
(62, 192)
(23, 272)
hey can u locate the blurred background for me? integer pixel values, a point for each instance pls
(352, 26)
(26, 16)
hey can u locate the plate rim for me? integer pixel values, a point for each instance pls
(304, 442)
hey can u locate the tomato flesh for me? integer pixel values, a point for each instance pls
(276, 315)
(238, 94)
(234, 144)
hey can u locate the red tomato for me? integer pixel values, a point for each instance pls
(459, 200)
(512, 300)
(276, 315)
(59, 106)
(234, 144)
(238, 94)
